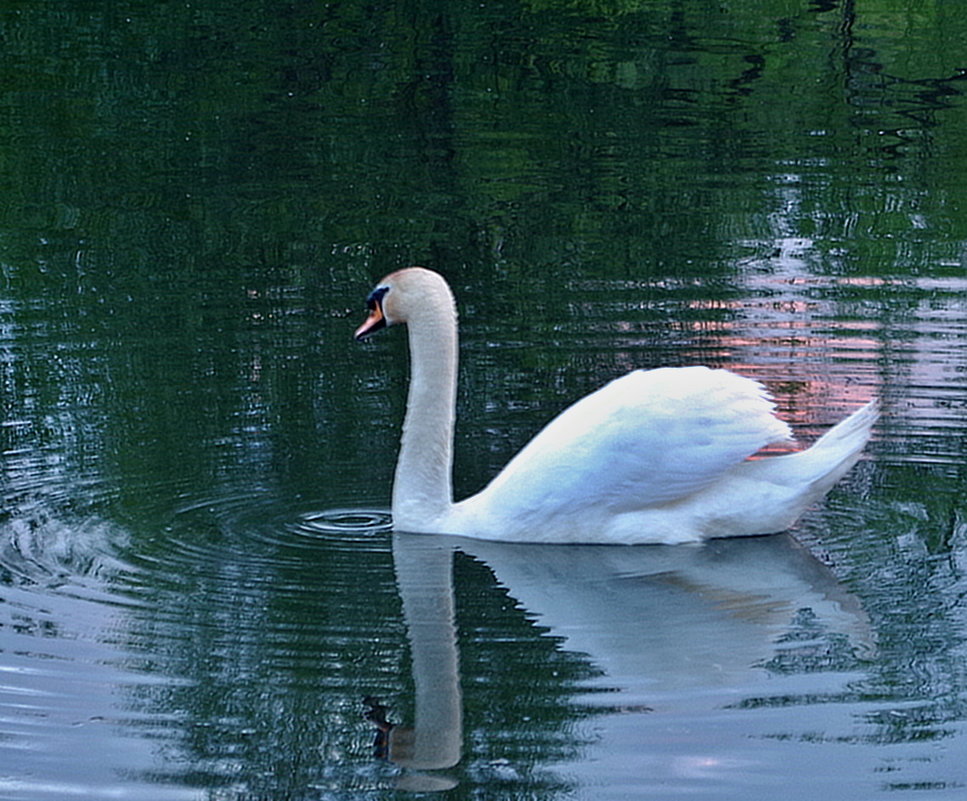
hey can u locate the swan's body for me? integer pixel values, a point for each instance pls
(656, 456)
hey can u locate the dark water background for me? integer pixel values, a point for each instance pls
(197, 585)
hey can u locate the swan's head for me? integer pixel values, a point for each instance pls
(404, 297)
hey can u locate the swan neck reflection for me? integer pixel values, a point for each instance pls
(424, 575)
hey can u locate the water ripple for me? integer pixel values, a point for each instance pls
(358, 525)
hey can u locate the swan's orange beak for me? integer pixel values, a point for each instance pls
(373, 323)
(377, 319)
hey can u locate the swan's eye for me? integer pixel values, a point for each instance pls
(375, 298)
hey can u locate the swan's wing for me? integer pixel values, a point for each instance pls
(648, 438)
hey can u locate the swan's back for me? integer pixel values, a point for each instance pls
(646, 441)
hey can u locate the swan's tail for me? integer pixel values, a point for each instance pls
(789, 484)
(820, 466)
(840, 447)
(812, 473)
(849, 436)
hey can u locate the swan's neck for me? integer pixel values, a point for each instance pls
(422, 490)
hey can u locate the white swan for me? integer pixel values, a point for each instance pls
(656, 456)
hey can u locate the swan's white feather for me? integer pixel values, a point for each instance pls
(649, 439)
(657, 456)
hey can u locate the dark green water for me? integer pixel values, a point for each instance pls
(198, 587)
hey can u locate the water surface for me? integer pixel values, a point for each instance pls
(198, 581)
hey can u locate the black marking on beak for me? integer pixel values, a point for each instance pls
(376, 319)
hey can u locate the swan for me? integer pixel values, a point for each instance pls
(655, 456)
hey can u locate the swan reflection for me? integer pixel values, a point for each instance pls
(674, 626)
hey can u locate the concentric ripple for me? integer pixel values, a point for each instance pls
(342, 524)
(188, 602)
(259, 525)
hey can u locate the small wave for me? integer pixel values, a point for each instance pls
(54, 547)
(350, 525)
(42, 548)
(256, 531)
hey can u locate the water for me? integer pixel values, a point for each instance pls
(199, 589)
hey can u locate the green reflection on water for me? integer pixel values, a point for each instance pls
(196, 198)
